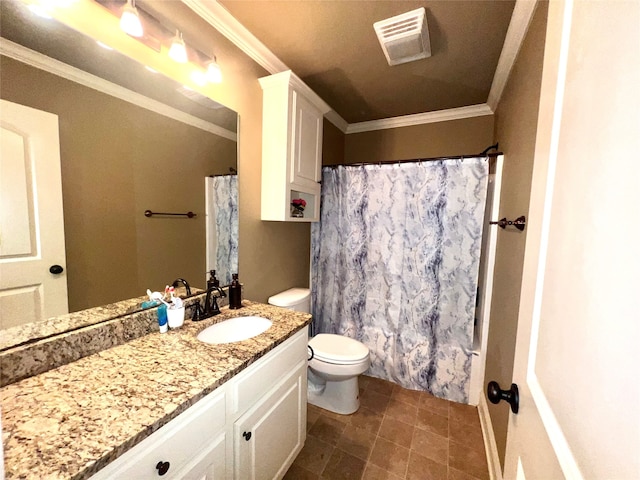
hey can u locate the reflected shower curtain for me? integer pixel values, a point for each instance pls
(225, 213)
(395, 261)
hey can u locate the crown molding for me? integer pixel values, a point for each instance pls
(56, 67)
(339, 122)
(218, 16)
(518, 26)
(421, 118)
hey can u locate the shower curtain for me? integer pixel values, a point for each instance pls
(395, 261)
(225, 220)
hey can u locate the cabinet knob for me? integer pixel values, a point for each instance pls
(162, 467)
(247, 436)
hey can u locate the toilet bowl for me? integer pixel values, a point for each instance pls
(335, 363)
(333, 372)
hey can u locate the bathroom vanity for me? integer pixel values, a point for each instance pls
(166, 405)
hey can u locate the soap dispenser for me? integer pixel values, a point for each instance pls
(235, 293)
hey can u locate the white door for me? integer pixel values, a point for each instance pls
(578, 329)
(31, 222)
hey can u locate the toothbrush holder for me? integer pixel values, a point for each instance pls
(175, 317)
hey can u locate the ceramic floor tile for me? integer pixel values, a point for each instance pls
(390, 457)
(446, 440)
(412, 397)
(431, 445)
(380, 386)
(314, 455)
(327, 429)
(342, 466)
(357, 441)
(401, 411)
(466, 434)
(422, 468)
(376, 473)
(433, 422)
(374, 401)
(396, 431)
(296, 472)
(366, 419)
(464, 413)
(470, 460)
(434, 404)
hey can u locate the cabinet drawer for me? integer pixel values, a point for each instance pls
(177, 443)
(259, 378)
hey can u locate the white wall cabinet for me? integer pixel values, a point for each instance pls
(252, 427)
(292, 117)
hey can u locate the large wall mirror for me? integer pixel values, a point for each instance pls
(121, 155)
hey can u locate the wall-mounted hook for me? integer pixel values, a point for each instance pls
(519, 223)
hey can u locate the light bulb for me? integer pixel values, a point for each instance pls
(199, 78)
(130, 20)
(178, 50)
(214, 74)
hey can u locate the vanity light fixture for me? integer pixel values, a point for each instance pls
(178, 50)
(214, 74)
(199, 77)
(130, 20)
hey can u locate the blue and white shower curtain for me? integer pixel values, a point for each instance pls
(225, 213)
(395, 261)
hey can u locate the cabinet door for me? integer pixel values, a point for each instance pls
(270, 435)
(210, 465)
(307, 142)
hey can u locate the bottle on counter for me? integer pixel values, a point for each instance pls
(235, 293)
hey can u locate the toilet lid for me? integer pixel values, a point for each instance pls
(338, 349)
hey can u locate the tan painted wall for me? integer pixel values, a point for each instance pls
(456, 137)
(274, 256)
(516, 122)
(332, 144)
(118, 160)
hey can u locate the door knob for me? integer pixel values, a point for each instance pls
(511, 396)
(56, 269)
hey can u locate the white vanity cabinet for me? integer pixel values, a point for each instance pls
(252, 427)
(191, 446)
(292, 116)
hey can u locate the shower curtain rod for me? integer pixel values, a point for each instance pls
(414, 160)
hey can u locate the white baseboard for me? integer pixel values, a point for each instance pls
(490, 447)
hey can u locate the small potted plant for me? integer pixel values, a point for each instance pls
(297, 207)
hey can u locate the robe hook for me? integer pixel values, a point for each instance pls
(519, 223)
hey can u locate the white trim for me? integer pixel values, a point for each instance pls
(490, 446)
(518, 26)
(340, 123)
(567, 461)
(218, 16)
(48, 64)
(421, 118)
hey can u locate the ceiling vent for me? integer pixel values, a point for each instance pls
(404, 38)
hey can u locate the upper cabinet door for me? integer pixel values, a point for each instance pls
(307, 142)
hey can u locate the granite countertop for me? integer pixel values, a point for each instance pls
(72, 421)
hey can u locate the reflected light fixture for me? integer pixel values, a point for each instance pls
(178, 50)
(199, 77)
(130, 20)
(104, 45)
(214, 74)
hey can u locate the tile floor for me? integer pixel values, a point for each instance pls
(396, 434)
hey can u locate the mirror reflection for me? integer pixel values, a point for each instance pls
(149, 144)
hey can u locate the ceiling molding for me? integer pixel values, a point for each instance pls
(56, 67)
(421, 118)
(340, 123)
(218, 16)
(518, 26)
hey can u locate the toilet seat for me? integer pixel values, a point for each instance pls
(338, 349)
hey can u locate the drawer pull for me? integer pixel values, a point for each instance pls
(247, 436)
(162, 467)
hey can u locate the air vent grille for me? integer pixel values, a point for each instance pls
(404, 38)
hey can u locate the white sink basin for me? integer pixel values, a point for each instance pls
(235, 330)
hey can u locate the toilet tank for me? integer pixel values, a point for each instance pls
(298, 299)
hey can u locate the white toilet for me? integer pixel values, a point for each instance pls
(335, 364)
